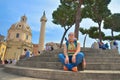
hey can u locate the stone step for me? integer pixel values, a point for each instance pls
(109, 51)
(87, 55)
(103, 66)
(88, 59)
(1, 65)
(51, 65)
(102, 56)
(51, 74)
(87, 51)
(44, 59)
(58, 65)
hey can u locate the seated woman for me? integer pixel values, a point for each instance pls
(72, 55)
(102, 45)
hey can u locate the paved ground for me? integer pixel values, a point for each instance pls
(7, 76)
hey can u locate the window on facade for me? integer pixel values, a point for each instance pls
(26, 37)
(2, 49)
(17, 35)
(23, 19)
(20, 25)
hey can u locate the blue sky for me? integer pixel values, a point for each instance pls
(12, 10)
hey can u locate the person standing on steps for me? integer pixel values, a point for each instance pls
(72, 56)
(27, 54)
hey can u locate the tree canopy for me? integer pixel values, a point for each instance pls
(64, 16)
(96, 10)
(92, 32)
(112, 22)
(69, 12)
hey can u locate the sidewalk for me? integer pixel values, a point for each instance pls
(7, 76)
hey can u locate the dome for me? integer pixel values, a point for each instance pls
(22, 25)
(20, 31)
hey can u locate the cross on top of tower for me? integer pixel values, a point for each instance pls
(24, 19)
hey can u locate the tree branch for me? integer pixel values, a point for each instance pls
(65, 28)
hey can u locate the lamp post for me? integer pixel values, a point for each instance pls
(78, 16)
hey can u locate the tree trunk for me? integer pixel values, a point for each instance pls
(84, 41)
(112, 34)
(77, 21)
(100, 36)
(66, 30)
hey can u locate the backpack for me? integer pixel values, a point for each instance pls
(115, 43)
(67, 43)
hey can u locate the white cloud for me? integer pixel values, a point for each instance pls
(87, 23)
(34, 18)
(13, 10)
(114, 6)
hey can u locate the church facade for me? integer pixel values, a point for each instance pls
(19, 37)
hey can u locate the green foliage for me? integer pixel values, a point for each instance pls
(92, 32)
(117, 37)
(65, 14)
(97, 10)
(84, 31)
(113, 22)
(108, 38)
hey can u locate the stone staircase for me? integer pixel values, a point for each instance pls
(1, 65)
(101, 65)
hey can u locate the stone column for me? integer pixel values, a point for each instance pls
(42, 32)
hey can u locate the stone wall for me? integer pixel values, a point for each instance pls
(54, 45)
